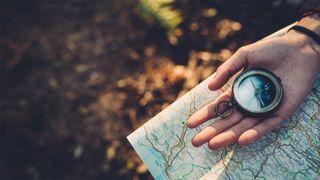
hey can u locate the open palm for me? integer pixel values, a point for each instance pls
(292, 57)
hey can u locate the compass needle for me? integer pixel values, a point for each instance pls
(252, 84)
(260, 101)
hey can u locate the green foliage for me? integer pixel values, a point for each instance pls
(161, 12)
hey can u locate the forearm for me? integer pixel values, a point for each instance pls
(311, 22)
(309, 7)
(304, 42)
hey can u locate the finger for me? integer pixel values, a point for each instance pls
(215, 128)
(208, 111)
(232, 134)
(234, 64)
(259, 130)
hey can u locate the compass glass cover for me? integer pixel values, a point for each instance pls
(256, 92)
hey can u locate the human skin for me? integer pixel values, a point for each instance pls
(294, 57)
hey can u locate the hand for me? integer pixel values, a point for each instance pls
(294, 57)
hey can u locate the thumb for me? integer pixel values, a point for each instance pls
(234, 64)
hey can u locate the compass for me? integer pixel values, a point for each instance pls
(255, 92)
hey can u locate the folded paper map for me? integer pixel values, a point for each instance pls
(292, 151)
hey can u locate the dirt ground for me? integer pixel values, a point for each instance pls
(76, 77)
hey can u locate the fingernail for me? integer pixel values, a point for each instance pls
(189, 122)
(189, 125)
(195, 143)
(214, 146)
(211, 86)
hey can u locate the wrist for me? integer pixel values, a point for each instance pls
(302, 39)
(311, 22)
(303, 44)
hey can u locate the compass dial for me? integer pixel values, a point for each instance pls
(257, 91)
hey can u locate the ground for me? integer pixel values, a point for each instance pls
(76, 77)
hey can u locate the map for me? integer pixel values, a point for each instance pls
(292, 151)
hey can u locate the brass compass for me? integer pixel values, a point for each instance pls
(255, 92)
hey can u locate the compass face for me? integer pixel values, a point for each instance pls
(257, 91)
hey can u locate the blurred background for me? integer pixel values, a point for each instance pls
(78, 76)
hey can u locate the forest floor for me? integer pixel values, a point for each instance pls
(77, 77)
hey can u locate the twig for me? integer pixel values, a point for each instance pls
(133, 118)
(22, 50)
